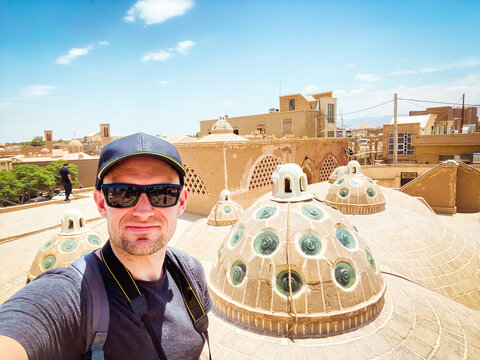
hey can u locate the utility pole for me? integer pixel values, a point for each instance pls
(463, 112)
(395, 131)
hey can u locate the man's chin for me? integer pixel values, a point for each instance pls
(142, 246)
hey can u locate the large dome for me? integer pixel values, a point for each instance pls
(293, 265)
(355, 193)
(74, 239)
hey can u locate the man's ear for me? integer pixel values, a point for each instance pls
(100, 202)
(182, 201)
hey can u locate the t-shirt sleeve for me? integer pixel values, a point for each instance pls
(45, 316)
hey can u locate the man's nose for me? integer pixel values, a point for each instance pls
(143, 208)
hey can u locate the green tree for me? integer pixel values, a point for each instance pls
(54, 168)
(10, 187)
(34, 179)
(38, 141)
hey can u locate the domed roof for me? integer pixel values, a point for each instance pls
(73, 240)
(221, 126)
(75, 146)
(337, 173)
(45, 151)
(225, 212)
(295, 266)
(355, 193)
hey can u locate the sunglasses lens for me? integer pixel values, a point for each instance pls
(163, 195)
(121, 196)
(125, 195)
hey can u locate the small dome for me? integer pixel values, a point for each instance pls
(225, 212)
(355, 193)
(75, 146)
(221, 126)
(73, 240)
(337, 173)
(296, 267)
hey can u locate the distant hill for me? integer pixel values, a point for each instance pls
(374, 121)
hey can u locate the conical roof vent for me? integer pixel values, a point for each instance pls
(296, 267)
(226, 211)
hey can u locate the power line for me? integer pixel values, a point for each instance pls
(437, 102)
(371, 107)
(421, 106)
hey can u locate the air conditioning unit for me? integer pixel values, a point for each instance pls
(272, 110)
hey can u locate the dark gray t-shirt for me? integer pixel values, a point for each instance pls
(48, 318)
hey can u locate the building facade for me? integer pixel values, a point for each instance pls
(313, 116)
(452, 120)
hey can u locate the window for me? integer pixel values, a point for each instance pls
(235, 131)
(291, 104)
(287, 126)
(331, 114)
(404, 144)
(261, 128)
(406, 177)
(330, 133)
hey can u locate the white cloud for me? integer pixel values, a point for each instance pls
(164, 82)
(157, 11)
(37, 90)
(72, 54)
(463, 63)
(163, 55)
(183, 46)
(367, 77)
(310, 88)
(227, 103)
(103, 43)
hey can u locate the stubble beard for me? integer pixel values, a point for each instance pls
(136, 250)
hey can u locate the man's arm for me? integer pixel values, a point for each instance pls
(11, 349)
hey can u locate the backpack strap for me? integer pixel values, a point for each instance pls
(181, 266)
(98, 311)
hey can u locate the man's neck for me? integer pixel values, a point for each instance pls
(144, 267)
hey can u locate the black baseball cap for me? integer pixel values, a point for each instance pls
(139, 144)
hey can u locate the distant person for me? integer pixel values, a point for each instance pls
(66, 181)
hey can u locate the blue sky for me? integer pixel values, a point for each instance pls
(162, 66)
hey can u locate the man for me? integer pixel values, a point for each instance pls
(66, 181)
(139, 191)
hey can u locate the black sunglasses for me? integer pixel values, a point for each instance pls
(127, 195)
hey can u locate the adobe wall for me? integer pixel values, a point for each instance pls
(390, 175)
(246, 168)
(428, 148)
(438, 189)
(468, 190)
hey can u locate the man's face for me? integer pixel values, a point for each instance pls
(141, 229)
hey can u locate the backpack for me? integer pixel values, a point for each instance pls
(98, 307)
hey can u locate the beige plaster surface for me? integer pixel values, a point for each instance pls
(439, 253)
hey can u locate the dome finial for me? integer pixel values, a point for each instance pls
(290, 184)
